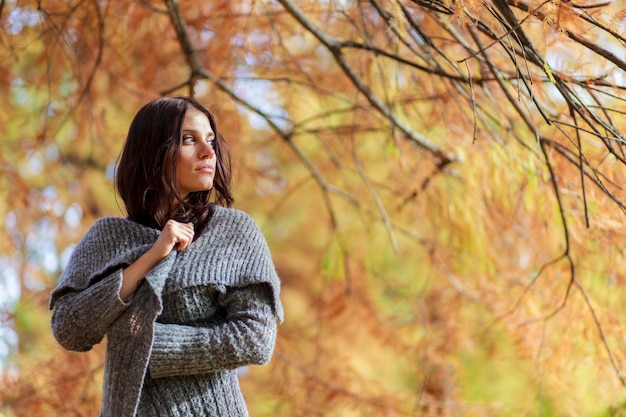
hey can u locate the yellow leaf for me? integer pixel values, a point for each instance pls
(548, 71)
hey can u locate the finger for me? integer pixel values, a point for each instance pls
(180, 234)
(184, 239)
(188, 231)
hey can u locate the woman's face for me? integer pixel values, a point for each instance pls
(195, 168)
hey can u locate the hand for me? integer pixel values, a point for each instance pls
(175, 235)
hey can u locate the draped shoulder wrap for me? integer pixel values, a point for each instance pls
(231, 251)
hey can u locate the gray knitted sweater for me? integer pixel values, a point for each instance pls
(174, 346)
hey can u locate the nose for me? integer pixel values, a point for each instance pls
(207, 151)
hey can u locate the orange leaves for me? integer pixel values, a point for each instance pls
(369, 331)
(69, 384)
(346, 367)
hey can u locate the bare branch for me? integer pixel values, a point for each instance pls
(334, 48)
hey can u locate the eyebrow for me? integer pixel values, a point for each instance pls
(196, 132)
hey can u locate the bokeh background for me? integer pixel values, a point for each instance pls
(441, 184)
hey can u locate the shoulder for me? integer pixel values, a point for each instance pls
(231, 213)
(118, 229)
(109, 224)
(102, 226)
(105, 223)
(234, 225)
(235, 218)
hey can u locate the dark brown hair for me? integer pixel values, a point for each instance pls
(145, 175)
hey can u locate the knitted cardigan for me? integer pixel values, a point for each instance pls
(231, 255)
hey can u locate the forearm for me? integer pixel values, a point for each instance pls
(81, 319)
(174, 235)
(246, 337)
(133, 275)
(183, 350)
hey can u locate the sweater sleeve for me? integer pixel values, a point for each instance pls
(80, 319)
(246, 336)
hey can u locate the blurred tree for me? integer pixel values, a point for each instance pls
(440, 182)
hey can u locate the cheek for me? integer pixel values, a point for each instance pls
(184, 161)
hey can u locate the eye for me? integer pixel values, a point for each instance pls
(212, 142)
(188, 139)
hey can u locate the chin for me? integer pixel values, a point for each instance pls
(204, 186)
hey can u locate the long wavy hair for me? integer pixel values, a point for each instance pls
(146, 171)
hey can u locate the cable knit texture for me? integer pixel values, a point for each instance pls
(174, 346)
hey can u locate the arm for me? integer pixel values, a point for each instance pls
(80, 319)
(174, 235)
(245, 337)
(73, 323)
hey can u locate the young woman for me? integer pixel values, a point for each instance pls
(184, 288)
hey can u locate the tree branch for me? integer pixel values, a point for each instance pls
(334, 47)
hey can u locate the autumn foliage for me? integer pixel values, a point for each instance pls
(441, 184)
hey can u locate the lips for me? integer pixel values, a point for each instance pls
(206, 169)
